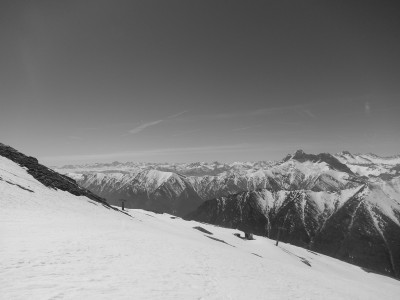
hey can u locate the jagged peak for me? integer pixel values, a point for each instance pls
(299, 152)
(328, 158)
(345, 152)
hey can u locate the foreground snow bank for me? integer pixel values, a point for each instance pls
(58, 246)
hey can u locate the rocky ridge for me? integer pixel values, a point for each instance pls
(355, 218)
(47, 176)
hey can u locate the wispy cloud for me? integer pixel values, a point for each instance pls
(153, 123)
(150, 153)
(144, 126)
(309, 113)
(177, 114)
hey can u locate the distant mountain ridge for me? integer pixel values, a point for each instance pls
(149, 189)
(344, 205)
(349, 210)
(215, 168)
(58, 245)
(187, 169)
(203, 181)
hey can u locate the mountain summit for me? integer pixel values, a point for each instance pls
(59, 245)
(344, 205)
(329, 159)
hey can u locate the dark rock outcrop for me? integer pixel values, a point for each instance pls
(175, 195)
(353, 228)
(329, 159)
(46, 176)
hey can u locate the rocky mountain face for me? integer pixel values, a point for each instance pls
(344, 205)
(370, 165)
(350, 211)
(150, 189)
(151, 186)
(173, 188)
(47, 176)
(359, 225)
(167, 187)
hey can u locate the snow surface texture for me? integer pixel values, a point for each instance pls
(369, 164)
(55, 245)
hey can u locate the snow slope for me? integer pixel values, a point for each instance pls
(55, 245)
(369, 165)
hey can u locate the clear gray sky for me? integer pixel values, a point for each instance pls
(93, 80)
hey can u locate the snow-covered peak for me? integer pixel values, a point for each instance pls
(370, 165)
(368, 158)
(51, 237)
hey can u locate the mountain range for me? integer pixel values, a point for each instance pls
(60, 241)
(179, 188)
(344, 205)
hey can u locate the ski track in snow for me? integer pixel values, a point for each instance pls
(55, 245)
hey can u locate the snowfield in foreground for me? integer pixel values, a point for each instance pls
(55, 245)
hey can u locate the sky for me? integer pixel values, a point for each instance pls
(184, 81)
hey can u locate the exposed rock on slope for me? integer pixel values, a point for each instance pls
(151, 189)
(142, 187)
(345, 205)
(370, 165)
(57, 245)
(45, 175)
(329, 159)
(359, 225)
